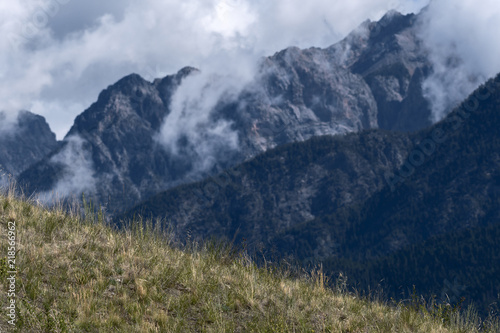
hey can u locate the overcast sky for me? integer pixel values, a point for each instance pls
(57, 55)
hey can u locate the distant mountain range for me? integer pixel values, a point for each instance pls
(27, 142)
(372, 79)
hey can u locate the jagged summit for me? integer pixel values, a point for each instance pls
(132, 98)
(116, 140)
(25, 142)
(394, 20)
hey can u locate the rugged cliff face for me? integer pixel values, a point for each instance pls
(369, 80)
(113, 143)
(394, 64)
(24, 143)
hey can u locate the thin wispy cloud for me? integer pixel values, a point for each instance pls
(77, 171)
(461, 39)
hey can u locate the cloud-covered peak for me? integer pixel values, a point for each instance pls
(56, 55)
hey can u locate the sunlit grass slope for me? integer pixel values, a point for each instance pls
(79, 275)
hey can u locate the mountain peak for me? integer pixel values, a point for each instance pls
(390, 15)
(185, 71)
(26, 141)
(390, 24)
(130, 81)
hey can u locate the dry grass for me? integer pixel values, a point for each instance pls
(79, 275)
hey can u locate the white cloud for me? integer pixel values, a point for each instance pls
(77, 175)
(57, 55)
(461, 36)
(190, 119)
(8, 122)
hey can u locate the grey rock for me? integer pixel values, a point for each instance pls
(24, 143)
(118, 133)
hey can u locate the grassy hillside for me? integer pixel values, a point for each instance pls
(79, 275)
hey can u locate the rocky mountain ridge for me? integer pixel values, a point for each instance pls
(24, 143)
(369, 80)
